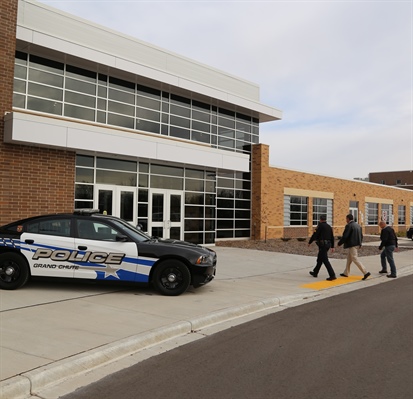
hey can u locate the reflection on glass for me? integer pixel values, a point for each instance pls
(157, 208)
(126, 205)
(175, 211)
(175, 233)
(105, 201)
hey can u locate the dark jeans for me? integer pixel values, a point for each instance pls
(387, 253)
(322, 257)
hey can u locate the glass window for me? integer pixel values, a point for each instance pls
(200, 116)
(123, 85)
(85, 160)
(179, 132)
(81, 74)
(48, 92)
(73, 111)
(20, 71)
(167, 170)
(147, 114)
(386, 213)
(401, 214)
(167, 182)
(53, 227)
(180, 100)
(80, 86)
(116, 164)
(180, 111)
(194, 185)
(149, 92)
(45, 78)
(119, 120)
(94, 230)
(298, 211)
(319, 209)
(84, 175)
(84, 191)
(50, 107)
(46, 65)
(80, 99)
(147, 126)
(372, 211)
(116, 178)
(148, 103)
(121, 108)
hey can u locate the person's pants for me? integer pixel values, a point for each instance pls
(322, 257)
(352, 256)
(387, 253)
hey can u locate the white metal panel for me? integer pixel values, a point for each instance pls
(30, 129)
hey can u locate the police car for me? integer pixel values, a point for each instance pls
(89, 245)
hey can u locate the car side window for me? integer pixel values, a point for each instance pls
(95, 230)
(53, 227)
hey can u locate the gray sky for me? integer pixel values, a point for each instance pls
(341, 71)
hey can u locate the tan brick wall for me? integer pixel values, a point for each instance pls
(268, 188)
(32, 180)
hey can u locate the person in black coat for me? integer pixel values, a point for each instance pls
(324, 238)
(388, 244)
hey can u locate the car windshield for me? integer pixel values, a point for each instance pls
(136, 234)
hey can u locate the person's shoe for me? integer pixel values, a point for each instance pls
(343, 275)
(366, 275)
(313, 274)
(383, 271)
(331, 278)
(391, 276)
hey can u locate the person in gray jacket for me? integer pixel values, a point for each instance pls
(352, 239)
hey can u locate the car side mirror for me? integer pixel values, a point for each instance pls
(121, 238)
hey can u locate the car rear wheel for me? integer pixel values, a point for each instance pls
(14, 271)
(171, 277)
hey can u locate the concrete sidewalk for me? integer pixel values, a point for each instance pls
(51, 331)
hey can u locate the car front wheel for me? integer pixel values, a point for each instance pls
(171, 277)
(14, 271)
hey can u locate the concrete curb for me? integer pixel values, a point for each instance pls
(33, 382)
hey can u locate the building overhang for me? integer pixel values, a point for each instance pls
(63, 134)
(69, 37)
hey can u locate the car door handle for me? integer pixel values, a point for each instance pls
(82, 247)
(29, 241)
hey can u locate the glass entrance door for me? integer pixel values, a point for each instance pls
(166, 215)
(354, 210)
(117, 201)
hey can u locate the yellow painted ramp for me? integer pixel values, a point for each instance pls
(323, 284)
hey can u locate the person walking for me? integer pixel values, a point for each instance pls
(352, 239)
(324, 238)
(388, 245)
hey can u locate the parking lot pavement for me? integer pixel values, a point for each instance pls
(52, 330)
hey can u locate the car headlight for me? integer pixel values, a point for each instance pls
(203, 260)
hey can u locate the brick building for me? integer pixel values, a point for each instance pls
(288, 203)
(403, 178)
(91, 118)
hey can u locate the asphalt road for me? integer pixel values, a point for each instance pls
(349, 346)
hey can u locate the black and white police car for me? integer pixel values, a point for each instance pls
(89, 245)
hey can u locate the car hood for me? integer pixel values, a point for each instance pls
(185, 244)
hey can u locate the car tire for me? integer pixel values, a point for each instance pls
(171, 277)
(14, 271)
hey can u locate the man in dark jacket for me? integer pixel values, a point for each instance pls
(389, 244)
(352, 239)
(324, 238)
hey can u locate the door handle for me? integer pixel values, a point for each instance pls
(29, 241)
(82, 247)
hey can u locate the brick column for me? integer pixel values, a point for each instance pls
(33, 180)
